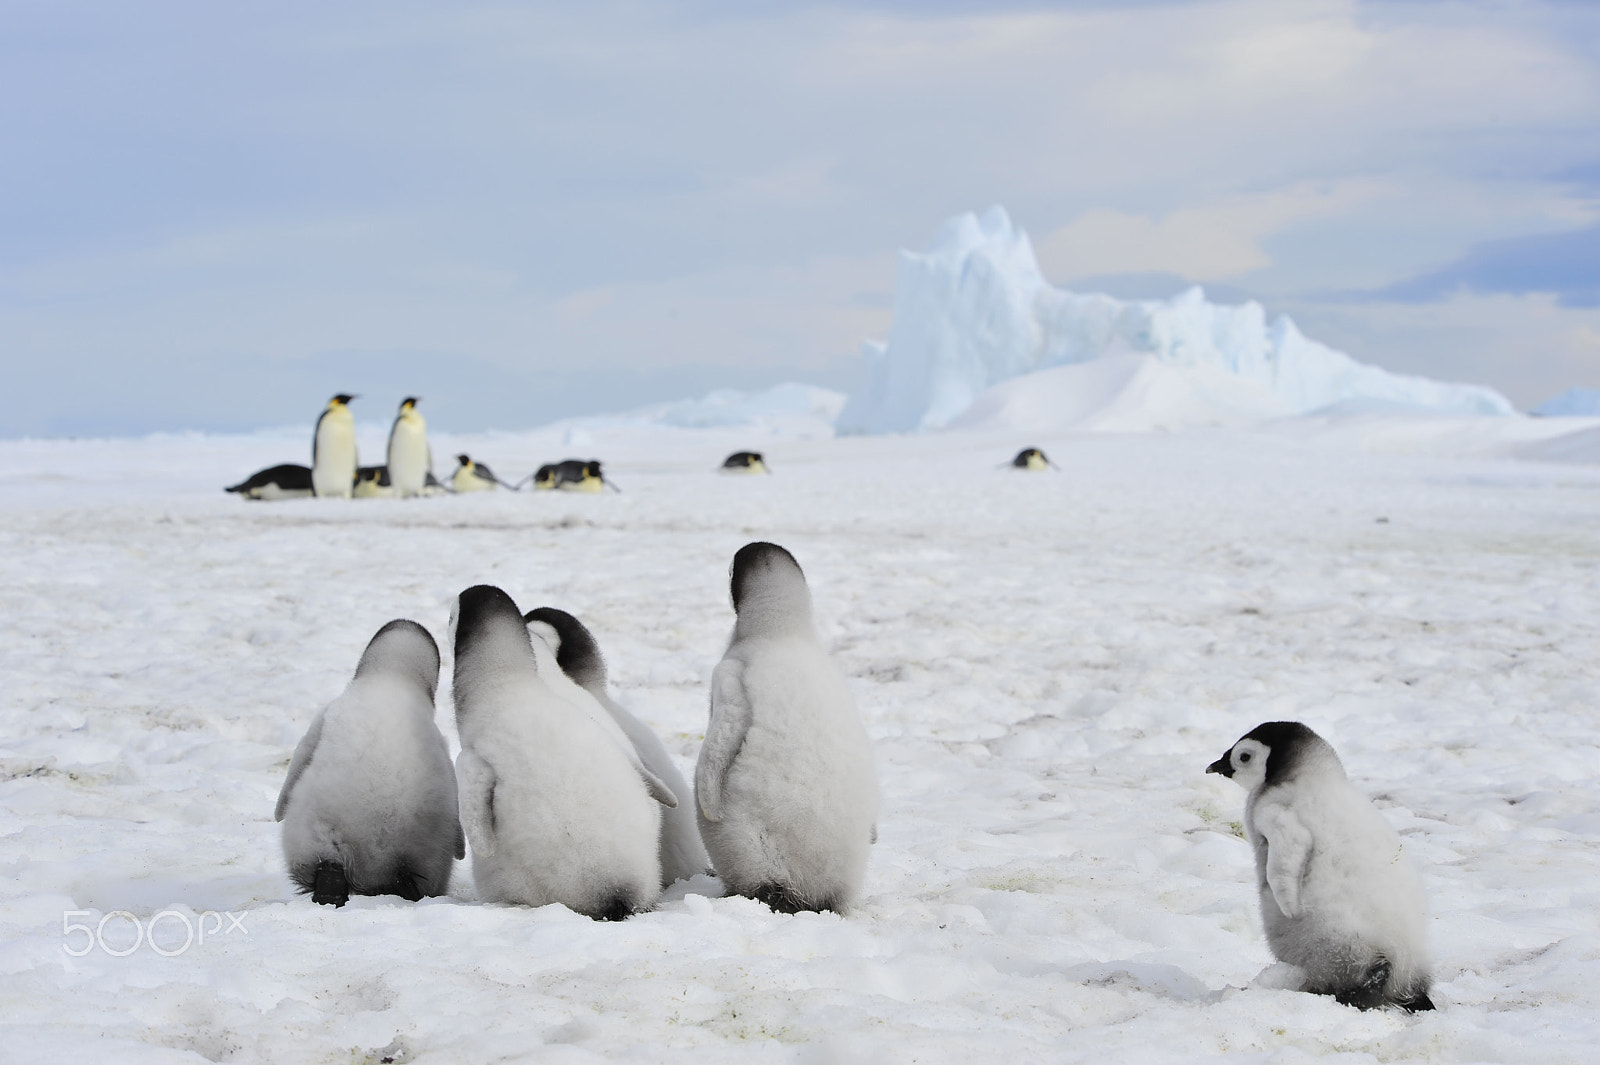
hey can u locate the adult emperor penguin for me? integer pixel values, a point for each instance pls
(1031, 458)
(369, 806)
(333, 450)
(473, 476)
(554, 800)
(682, 854)
(1339, 899)
(372, 482)
(410, 458)
(787, 797)
(287, 481)
(744, 462)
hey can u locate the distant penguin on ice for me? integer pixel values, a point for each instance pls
(276, 482)
(787, 797)
(473, 476)
(410, 458)
(544, 478)
(1339, 899)
(333, 450)
(554, 800)
(744, 462)
(578, 655)
(369, 806)
(372, 482)
(1031, 458)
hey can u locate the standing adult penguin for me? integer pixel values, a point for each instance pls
(787, 797)
(333, 450)
(1339, 900)
(682, 854)
(410, 457)
(553, 798)
(369, 805)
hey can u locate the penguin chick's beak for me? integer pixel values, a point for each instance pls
(1221, 765)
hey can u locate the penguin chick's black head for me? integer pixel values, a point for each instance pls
(404, 646)
(480, 608)
(1287, 743)
(755, 564)
(579, 655)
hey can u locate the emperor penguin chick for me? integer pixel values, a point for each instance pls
(333, 450)
(681, 852)
(369, 806)
(410, 458)
(1339, 899)
(787, 797)
(553, 798)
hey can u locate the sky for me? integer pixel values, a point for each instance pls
(215, 216)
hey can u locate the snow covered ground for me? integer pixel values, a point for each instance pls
(1046, 663)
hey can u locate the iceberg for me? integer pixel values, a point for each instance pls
(974, 311)
(1573, 403)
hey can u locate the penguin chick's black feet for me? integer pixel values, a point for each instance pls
(1369, 993)
(330, 888)
(784, 899)
(407, 885)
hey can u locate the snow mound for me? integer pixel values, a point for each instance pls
(1573, 403)
(975, 311)
(1120, 393)
(785, 410)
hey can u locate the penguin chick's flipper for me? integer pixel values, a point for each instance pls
(330, 888)
(1368, 994)
(476, 780)
(461, 839)
(658, 787)
(1288, 849)
(298, 763)
(730, 722)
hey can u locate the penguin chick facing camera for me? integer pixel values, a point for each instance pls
(1339, 899)
(578, 654)
(786, 793)
(554, 800)
(744, 462)
(369, 806)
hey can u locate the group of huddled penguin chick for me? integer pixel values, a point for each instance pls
(336, 470)
(567, 797)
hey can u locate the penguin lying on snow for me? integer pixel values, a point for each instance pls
(474, 476)
(578, 655)
(276, 482)
(1339, 900)
(333, 449)
(554, 799)
(369, 805)
(1031, 458)
(572, 475)
(788, 801)
(372, 482)
(744, 462)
